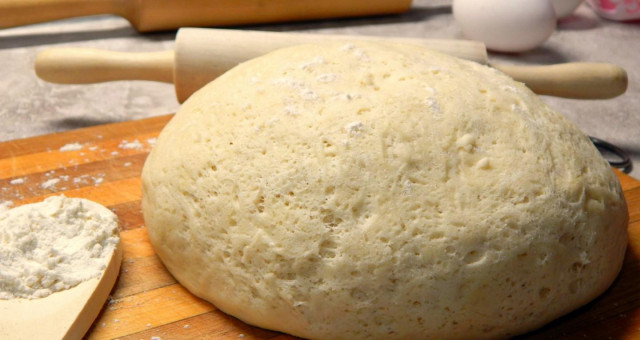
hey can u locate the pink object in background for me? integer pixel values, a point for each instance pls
(617, 9)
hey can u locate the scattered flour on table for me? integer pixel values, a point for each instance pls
(135, 145)
(53, 182)
(50, 184)
(17, 181)
(98, 180)
(81, 179)
(53, 245)
(71, 147)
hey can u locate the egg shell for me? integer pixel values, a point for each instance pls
(506, 25)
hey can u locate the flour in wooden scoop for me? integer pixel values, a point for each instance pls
(54, 245)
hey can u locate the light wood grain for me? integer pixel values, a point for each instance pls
(141, 311)
(202, 55)
(155, 15)
(66, 314)
(22, 12)
(147, 301)
(76, 65)
(571, 80)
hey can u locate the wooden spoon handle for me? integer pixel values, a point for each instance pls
(571, 80)
(85, 65)
(22, 12)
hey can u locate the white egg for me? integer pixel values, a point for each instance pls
(564, 8)
(506, 25)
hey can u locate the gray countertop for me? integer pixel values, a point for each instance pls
(29, 106)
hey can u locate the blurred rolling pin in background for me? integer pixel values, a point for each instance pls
(201, 55)
(158, 15)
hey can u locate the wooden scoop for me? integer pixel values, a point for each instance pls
(201, 55)
(155, 15)
(66, 314)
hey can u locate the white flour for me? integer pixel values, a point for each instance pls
(135, 145)
(17, 181)
(53, 245)
(50, 184)
(71, 147)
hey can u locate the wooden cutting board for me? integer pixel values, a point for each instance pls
(103, 164)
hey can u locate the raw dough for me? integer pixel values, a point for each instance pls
(381, 191)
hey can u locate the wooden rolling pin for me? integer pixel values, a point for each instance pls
(201, 55)
(157, 15)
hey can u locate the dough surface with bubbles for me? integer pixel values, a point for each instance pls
(381, 191)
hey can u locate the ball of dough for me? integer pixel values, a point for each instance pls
(381, 191)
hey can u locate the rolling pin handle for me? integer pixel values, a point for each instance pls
(201, 55)
(86, 66)
(571, 80)
(23, 12)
